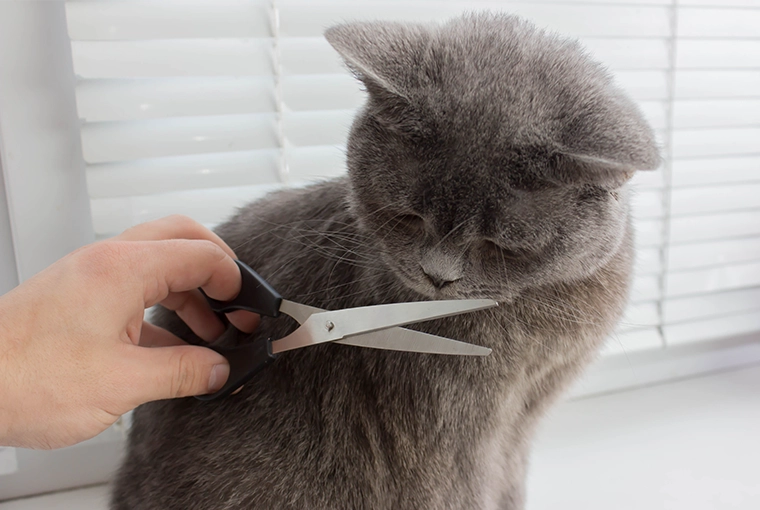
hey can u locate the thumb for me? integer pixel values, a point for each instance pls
(178, 371)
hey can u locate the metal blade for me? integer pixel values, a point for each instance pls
(338, 324)
(402, 339)
(298, 311)
(393, 339)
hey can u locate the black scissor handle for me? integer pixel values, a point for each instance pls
(256, 295)
(245, 362)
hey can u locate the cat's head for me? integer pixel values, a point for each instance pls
(490, 156)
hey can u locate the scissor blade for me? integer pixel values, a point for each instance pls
(338, 324)
(393, 339)
(402, 339)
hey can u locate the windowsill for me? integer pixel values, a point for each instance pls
(690, 444)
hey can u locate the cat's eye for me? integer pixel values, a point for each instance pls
(410, 221)
(495, 250)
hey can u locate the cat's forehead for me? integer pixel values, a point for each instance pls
(501, 68)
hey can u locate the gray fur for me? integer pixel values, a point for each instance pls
(491, 156)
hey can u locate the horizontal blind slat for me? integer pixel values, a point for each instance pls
(696, 54)
(315, 163)
(198, 171)
(308, 19)
(647, 261)
(715, 198)
(208, 206)
(624, 342)
(716, 113)
(166, 58)
(325, 127)
(645, 288)
(715, 171)
(629, 54)
(724, 3)
(156, 19)
(640, 315)
(122, 141)
(133, 99)
(647, 204)
(695, 308)
(713, 253)
(718, 23)
(689, 229)
(644, 85)
(655, 112)
(648, 232)
(691, 143)
(714, 279)
(647, 180)
(712, 329)
(716, 83)
(321, 92)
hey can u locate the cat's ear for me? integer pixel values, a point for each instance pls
(605, 147)
(386, 57)
(382, 55)
(576, 169)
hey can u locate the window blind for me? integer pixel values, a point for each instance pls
(197, 107)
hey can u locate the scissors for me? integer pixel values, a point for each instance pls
(366, 326)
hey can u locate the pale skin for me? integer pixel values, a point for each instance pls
(75, 352)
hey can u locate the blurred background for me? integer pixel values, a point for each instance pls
(115, 112)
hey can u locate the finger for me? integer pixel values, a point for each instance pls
(173, 227)
(179, 265)
(174, 372)
(153, 336)
(244, 321)
(193, 309)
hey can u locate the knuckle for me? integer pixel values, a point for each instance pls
(184, 223)
(101, 258)
(213, 250)
(186, 378)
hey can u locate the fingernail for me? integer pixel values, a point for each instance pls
(219, 375)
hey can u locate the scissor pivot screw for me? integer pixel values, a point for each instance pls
(329, 325)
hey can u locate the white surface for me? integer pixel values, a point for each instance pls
(688, 445)
(90, 498)
(8, 461)
(8, 270)
(39, 136)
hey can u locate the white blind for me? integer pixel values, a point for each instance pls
(201, 106)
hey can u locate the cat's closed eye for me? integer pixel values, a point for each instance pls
(411, 222)
(493, 249)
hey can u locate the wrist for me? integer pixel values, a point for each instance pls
(11, 334)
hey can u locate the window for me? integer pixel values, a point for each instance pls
(199, 107)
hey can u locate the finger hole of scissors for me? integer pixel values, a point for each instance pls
(245, 321)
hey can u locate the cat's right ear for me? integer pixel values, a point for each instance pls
(380, 54)
(385, 56)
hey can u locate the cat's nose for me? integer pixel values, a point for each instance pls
(438, 281)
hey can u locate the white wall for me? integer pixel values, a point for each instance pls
(8, 274)
(40, 151)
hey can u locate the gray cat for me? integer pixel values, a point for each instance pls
(490, 160)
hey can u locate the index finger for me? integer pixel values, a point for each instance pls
(173, 227)
(179, 265)
(182, 227)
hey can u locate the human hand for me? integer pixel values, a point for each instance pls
(75, 353)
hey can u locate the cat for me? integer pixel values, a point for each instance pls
(491, 159)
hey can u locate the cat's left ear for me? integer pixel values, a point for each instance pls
(572, 168)
(605, 144)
